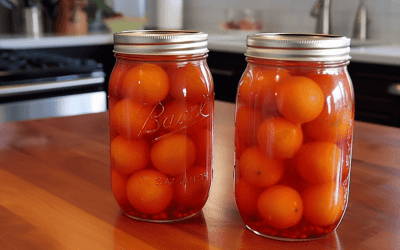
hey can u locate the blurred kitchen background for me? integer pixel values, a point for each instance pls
(207, 15)
(294, 15)
(56, 55)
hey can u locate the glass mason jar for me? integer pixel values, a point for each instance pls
(161, 104)
(294, 133)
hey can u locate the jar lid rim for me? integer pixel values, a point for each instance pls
(298, 46)
(159, 36)
(160, 42)
(298, 40)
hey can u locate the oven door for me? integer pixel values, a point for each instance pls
(52, 97)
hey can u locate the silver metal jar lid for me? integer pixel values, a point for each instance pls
(298, 47)
(160, 42)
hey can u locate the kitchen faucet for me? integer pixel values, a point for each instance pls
(321, 10)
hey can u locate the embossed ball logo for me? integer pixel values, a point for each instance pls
(173, 117)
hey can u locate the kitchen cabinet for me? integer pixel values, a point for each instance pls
(377, 92)
(226, 69)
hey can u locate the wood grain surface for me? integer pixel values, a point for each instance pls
(55, 193)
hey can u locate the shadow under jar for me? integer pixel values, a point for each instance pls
(294, 135)
(161, 102)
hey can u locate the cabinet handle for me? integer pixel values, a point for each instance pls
(394, 89)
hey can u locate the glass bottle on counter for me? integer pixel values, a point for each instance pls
(294, 133)
(161, 102)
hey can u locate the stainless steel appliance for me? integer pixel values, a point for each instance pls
(37, 85)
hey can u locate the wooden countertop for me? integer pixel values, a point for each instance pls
(55, 193)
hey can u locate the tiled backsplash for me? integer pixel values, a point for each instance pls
(294, 15)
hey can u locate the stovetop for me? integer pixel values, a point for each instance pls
(17, 66)
(28, 75)
(37, 84)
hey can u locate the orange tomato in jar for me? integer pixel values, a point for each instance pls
(179, 115)
(246, 197)
(279, 138)
(189, 83)
(247, 122)
(191, 189)
(291, 177)
(118, 186)
(280, 206)
(116, 79)
(149, 191)
(324, 204)
(335, 120)
(129, 155)
(319, 162)
(132, 119)
(334, 83)
(241, 145)
(258, 85)
(259, 170)
(174, 154)
(203, 142)
(146, 83)
(331, 128)
(299, 99)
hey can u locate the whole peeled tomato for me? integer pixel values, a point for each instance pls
(246, 197)
(259, 170)
(174, 154)
(116, 79)
(191, 188)
(318, 161)
(118, 186)
(247, 122)
(279, 138)
(129, 156)
(299, 99)
(280, 206)
(180, 115)
(149, 191)
(335, 121)
(146, 83)
(257, 87)
(132, 119)
(323, 204)
(189, 83)
(203, 140)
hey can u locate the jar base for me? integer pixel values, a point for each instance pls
(162, 221)
(283, 238)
